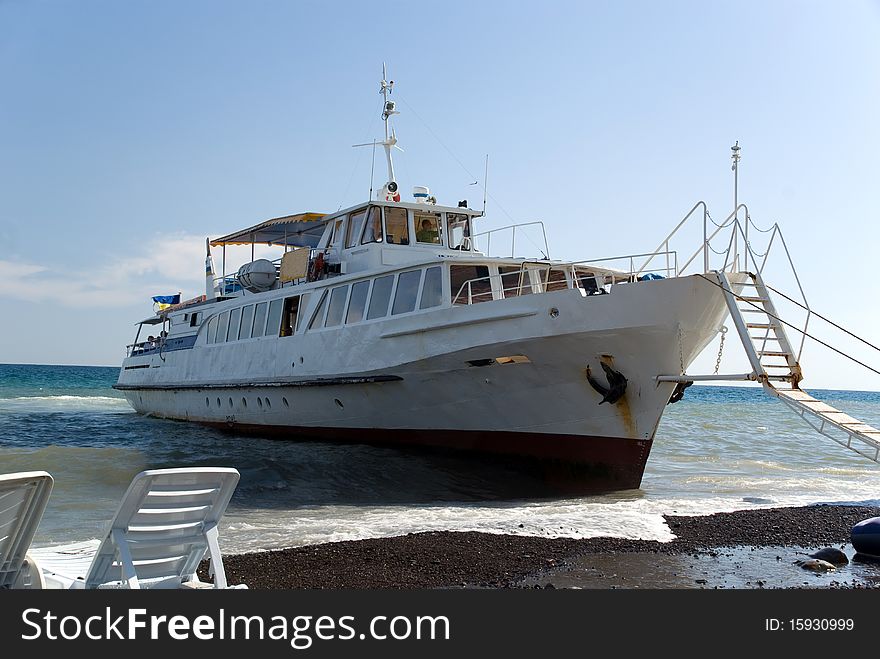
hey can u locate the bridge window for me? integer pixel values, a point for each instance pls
(427, 227)
(432, 291)
(396, 226)
(380, 298)
(358, 302)
(459, 231)
(337, 306)
(355, 226)
(373, 226)
(407, 290)
(247, 322)
(194, 319)
(336, 233)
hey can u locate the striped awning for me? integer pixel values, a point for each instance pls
(300, 230)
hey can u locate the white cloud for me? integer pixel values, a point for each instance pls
(162, 266)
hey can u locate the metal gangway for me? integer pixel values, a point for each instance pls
(776, 366)
(774, 361)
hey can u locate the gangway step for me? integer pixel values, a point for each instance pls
(773, 353)
(759, 325)
(751, 298)
(839, 426)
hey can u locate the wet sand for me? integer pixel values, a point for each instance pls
(742, 549)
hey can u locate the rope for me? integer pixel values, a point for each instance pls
(830, 322)
(796, 329)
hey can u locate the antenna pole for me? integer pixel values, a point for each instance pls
(486, 185)
(388, 109)
(735, 156)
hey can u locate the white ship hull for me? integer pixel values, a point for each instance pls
(434, 379)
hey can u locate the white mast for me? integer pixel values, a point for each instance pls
(389, 191)
(735, 157)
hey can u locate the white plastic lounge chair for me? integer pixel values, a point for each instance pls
(23, 498)
(166, 523)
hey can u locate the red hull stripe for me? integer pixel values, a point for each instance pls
(591, 462)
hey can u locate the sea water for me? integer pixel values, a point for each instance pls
(720, 449)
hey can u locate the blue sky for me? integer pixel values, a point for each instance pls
(129, 131)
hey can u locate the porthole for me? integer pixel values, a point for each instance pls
(339, 403)
(230, 401)
(243, 401)
(207, 402)
(284, 400)
(218, 402)
(300, 360)
(268, 404)
(259, 402)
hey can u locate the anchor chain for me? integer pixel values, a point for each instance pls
(723, 331)
(680, 354)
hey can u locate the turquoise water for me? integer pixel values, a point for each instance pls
(721, 448)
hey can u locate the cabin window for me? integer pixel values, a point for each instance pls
(407, 291)
(396, 226)
(459, 231)
(303, 305)
(194, 319)
(373, 226)
(211, 334)
(355, 226)
(470, 284)
(259, 319)
(515, 281)
(289, 316)
(319, 312)
(358, 302)
(432, 291)
(336, 233)
(554, 281)
(274, 317)
(247, 322)
(337, 306)
(234, 322)
(380, 298)
(222, 326)
(427, 227)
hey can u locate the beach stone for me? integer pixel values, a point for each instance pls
(816, 565)
(832, 555)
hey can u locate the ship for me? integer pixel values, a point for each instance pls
(390, 323)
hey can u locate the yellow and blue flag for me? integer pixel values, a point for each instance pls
(162, 302)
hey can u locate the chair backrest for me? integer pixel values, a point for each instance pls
(23, 498)
(165, 524)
